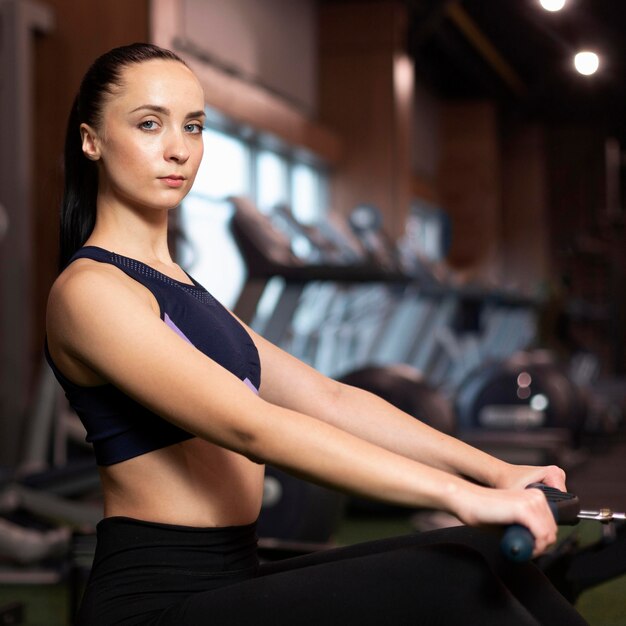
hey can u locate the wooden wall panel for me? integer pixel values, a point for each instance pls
(365, 94)
(524, 237)
(468, 184)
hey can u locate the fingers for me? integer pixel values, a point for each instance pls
(540, 521)
(520, 476)
(477, 506)
(555, 477)
(543, 542)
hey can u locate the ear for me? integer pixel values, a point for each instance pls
(90, 143)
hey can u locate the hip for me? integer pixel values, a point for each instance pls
(140, 568)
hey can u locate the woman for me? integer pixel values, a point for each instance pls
(169, 386)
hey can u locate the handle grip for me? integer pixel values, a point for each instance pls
(518, 542)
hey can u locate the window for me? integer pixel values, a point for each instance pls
(271, 180)
(234, 164)
(307, 193)
(225, 167)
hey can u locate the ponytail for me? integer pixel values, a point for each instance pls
(78, 207)
(80, 193)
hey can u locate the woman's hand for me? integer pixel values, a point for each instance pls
(520, 476)
(481, 506)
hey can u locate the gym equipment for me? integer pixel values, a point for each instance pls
(517, 541)
(268, 254)
(49, 481)
(572, 569)
(466, 342)
(25, 546)
(520, 406)
(442, 328)
(540, 399)
(53, 491)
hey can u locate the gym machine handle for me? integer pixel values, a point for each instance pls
(518, 542)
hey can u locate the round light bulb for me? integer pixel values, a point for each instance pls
(586, 62)
(552, 5)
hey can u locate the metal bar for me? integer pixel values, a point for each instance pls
(601, 515)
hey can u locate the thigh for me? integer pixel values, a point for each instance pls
(453, 576)
(394, 581)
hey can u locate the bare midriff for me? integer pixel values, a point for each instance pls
(193, 483)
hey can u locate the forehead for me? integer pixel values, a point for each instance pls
(158, 82)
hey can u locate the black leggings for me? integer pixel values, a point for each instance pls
(163, 575)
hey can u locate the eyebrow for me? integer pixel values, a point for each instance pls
(165, 111)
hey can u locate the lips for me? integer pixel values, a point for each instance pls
(173, 180)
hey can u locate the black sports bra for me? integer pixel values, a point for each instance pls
(118, 427)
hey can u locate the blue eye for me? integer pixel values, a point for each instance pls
(194, 128)
(148, 125)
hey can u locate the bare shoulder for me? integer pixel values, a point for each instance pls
(87, 286)
(84, 300)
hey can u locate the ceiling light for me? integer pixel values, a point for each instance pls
(586, 62)
(552, 5)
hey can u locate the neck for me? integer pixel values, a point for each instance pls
(140, 235)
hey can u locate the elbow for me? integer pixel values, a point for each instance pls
(258, 450)
(251, 441)
(269, 435)
(247, 444)
(264, 432)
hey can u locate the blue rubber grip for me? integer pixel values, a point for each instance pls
(518, 542)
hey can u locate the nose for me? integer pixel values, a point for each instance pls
(176, 148)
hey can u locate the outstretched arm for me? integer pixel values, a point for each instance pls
(290, 383)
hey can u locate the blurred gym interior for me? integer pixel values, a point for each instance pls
(424, 198)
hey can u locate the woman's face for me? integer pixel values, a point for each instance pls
(149, 142)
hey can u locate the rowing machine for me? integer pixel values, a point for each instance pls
(518, 542)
